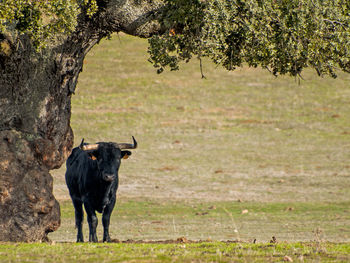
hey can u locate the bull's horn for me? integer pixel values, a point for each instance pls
(81, 144)
(88, 147)
(128, 145)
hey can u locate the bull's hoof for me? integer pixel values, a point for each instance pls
(93, 240)
(106, 240)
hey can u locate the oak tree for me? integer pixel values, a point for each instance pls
(43, 44)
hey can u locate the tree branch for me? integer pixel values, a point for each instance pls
(134, 17)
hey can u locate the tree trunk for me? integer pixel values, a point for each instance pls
(35, 111)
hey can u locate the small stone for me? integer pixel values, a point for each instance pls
(287, 259)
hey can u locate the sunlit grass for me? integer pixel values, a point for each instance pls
(239, 221)
(178, 252)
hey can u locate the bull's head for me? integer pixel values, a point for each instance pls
(108, 156)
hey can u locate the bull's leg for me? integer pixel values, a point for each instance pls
(92, 220)
(106, 216)
(79, 216)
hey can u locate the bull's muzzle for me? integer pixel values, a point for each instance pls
(108, 177)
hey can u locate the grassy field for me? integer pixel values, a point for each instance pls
(237, 156)
(242, 135)
(166, 220)
(176, 252)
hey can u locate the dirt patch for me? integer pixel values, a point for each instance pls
(167, 169)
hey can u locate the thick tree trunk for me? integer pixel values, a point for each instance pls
(35, 111)
(35, 137)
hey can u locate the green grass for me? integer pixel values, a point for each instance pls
(181, 252)
(239, 221)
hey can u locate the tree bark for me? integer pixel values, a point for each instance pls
(35, 111)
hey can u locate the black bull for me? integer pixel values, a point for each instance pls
(92, 180)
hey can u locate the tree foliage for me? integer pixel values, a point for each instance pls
(42, 20)
(283, 36)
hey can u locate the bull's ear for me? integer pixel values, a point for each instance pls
(125, 154)
(92, 156)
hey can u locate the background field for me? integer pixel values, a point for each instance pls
(237, 156)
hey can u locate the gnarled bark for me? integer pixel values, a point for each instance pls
(35, 111)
